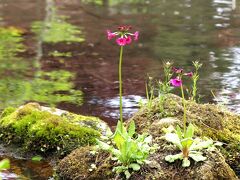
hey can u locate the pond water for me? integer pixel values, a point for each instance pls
(55, 52)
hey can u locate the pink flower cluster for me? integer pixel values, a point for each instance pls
(178, 80)
(123, 36)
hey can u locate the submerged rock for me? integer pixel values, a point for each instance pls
(210, 120)
(42, 129)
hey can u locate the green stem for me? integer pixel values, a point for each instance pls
(120, 85)
(184, 111)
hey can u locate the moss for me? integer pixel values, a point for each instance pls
(42, 131)
(77, 165)
(7, 111)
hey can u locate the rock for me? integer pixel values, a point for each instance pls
(81, 162)
(207, 118)
(78, 165)
(42, 129)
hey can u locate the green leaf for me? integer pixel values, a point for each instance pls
(189, 132)
(199, 145)
(186, 162)
(179, 132)
(37, 158)
(187, 142)
(197, 156)
(119, 140)
(173, 138)
(4, 164)
(131, 129)
(127, 174)
(148, 139)
(103, 145)
(135, 166)
(172, 158)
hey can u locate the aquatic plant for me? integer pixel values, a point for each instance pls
(123, 38)
(183, 139)
(130, 152)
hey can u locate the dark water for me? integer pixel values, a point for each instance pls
(59, 54)
(56, 52)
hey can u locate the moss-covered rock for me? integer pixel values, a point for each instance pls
(211, 120)
(207, 118)
(42, 129)
(83, 164)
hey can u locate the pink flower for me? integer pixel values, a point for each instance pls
(110, 35)
(189, 74)
(121, 41)
(136, 34)
(128, 40)
(177, 70)
(176, 82)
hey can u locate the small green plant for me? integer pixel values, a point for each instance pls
(183, 139)
(128, 149)
(164, 86)
(195, 78)
(189, 146)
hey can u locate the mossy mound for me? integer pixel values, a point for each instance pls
(211, 121)
(78, 165)
(83, 164)
(41, 129)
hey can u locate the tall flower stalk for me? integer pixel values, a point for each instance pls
(123, 38)
(120, 85)
(184, 110)
(177, 82)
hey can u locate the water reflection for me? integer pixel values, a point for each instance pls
(55, 28)
(20, 84)
(27, 169)
(229, 94)
(182, 31)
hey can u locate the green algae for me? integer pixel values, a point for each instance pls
(39, 130)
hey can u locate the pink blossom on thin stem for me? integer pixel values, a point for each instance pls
(189, 74)
(176, 82)
(123, 37)
(110, 35)
(136, 35)
(128, 40)
(177, 70)
(121, 41)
